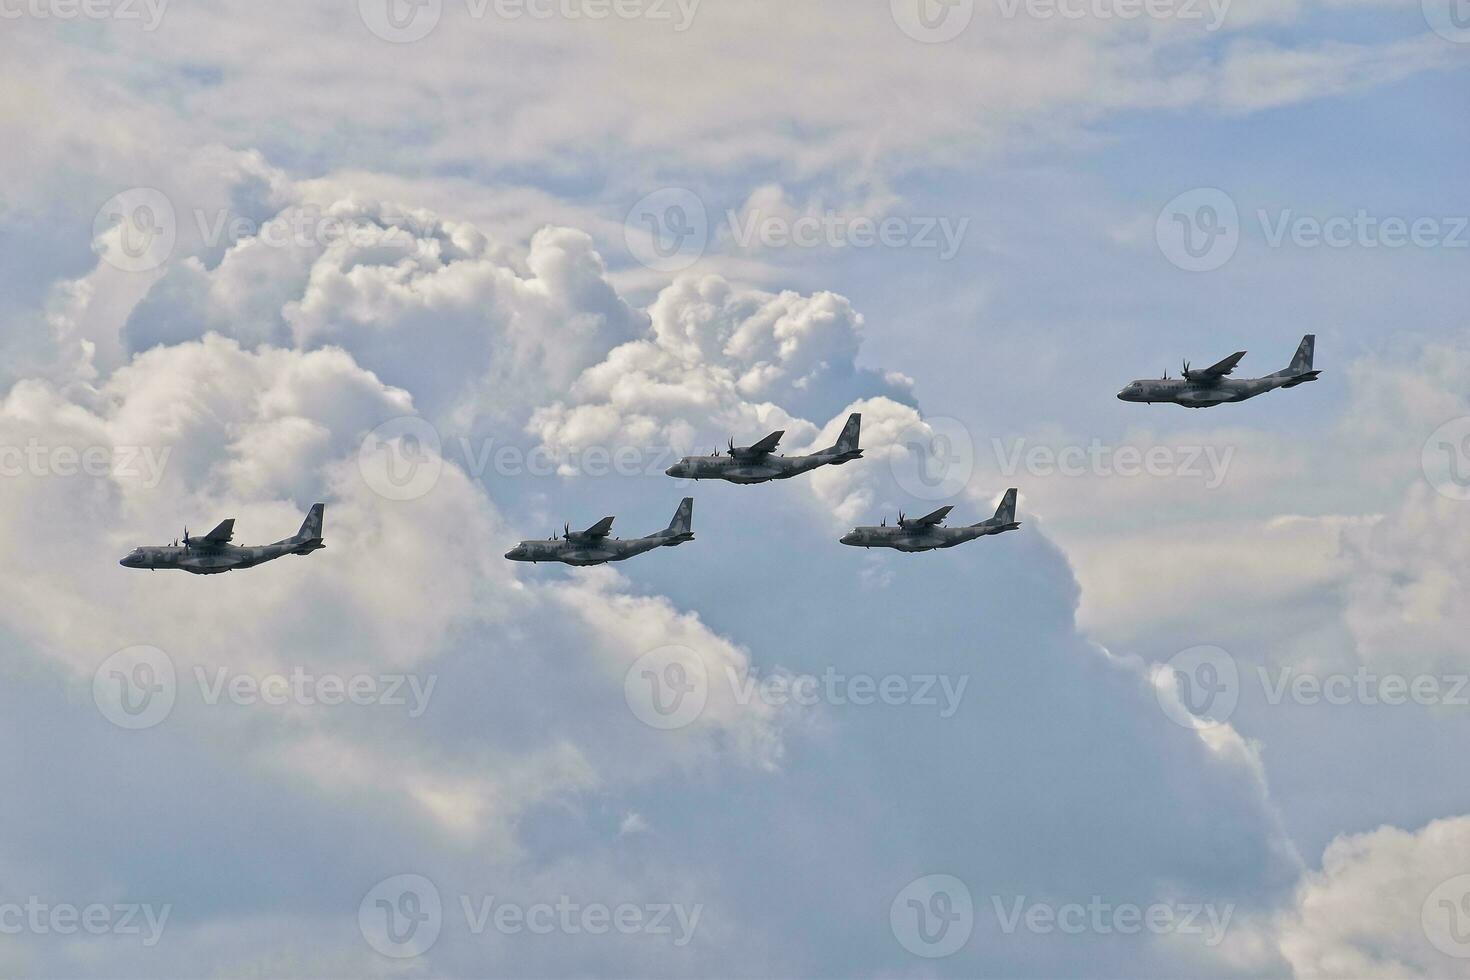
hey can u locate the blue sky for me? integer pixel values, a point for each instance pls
(1308, 541)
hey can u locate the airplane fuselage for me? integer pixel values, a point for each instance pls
(214, 560)
(916, 539)
(592, 552)
(758, 469)
(1202, 394)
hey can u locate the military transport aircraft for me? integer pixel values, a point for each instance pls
(1210, 387)
(213, 553)
(594, 547)
(926, 534)
(755, 464)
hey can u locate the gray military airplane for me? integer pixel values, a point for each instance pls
(213, 553)
(594, 547)
(1210, 387)
(926, 534)
(755, 464)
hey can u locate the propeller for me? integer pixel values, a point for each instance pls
(566, 530)
(1186, 369)
(732, 445)
(186, 536)
(900, 517)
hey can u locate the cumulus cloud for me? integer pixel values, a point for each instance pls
(1388, 903)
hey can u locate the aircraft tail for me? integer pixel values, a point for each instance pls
(847, 442)
(310, 536)
(681, 527)
(1300, 370)
(1005, 514)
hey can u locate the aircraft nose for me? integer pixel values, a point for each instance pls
(675, 470)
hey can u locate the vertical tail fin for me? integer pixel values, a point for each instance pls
(683, 521)
(311, 529)
(1302, 362)
(851, 432)
(1006, 512)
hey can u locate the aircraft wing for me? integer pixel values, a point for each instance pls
(769, 443)
(1220, 370)
(599, 530)
(221, 535)
(931, 520)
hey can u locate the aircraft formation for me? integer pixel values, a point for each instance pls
(757, 463)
